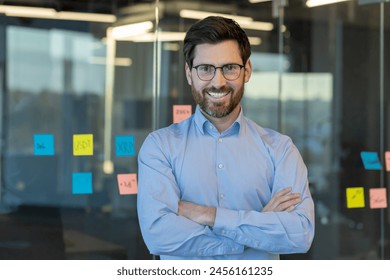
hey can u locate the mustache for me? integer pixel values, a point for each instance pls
(223, 89)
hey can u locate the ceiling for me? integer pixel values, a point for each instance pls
(349, 12)
(92, 6)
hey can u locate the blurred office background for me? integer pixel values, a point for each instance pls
(115, 68)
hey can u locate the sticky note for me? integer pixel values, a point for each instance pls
(378, 198)
(82, 183)
(355, 197)
(44, 144)
(387, 159)
(181, 112)
(83, 145)
(371, 160)
(127, 183)
(124, 146)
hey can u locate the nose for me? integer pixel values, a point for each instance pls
(219, 79)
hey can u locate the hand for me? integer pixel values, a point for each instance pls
(283, 200)
(200, 214)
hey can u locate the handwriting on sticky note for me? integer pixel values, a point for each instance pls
(355, 197)
(371, 160)
(83, 144)
(124, 145)
(378, 198)
(127, 183)
(181, 112)
(43, 144)
(387, 158)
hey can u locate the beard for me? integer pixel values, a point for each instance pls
(213, 107)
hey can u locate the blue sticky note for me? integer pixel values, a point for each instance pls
(371, 160)
(44, 144)
(124, 146)
(82, 183)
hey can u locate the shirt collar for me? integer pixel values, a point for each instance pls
(201, 121)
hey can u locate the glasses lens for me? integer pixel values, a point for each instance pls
(231, 71)
(205, 72)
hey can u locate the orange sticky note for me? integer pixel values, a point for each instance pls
(127, 183)
(83, 145)
(378, 198)
(181, 112)
(387, 159)
(355, 197)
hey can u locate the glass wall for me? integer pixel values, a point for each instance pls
(78, 97)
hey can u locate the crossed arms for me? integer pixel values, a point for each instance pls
(284, 200)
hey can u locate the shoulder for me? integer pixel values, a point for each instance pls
(271, 138)
(169, 136)
(173, 131)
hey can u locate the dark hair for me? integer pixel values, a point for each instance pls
(212, 30)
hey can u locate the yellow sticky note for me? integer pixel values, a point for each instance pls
(378, 198)
(127, 183)
(83, 145)
(355, 197)
(181, 112)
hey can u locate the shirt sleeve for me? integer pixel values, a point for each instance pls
(275, 232)
(164, 232)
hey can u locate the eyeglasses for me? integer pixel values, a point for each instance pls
(206, 72)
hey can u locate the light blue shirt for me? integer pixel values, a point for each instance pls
(237, 171)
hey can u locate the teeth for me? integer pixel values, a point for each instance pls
(217, 94)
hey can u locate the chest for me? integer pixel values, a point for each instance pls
(229, 172)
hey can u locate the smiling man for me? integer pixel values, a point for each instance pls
(218, 185)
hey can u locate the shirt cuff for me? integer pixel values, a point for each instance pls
(226, 220)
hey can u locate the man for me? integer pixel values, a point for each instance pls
(217, 185)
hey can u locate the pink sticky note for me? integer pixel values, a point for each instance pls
(387, 158)
(378, 198)
(181, 112)
(127, 183)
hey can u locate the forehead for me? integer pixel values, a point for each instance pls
(218, 54)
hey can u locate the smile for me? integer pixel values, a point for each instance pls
(217, 94)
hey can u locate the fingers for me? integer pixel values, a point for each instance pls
(290, 209)
(289, 203)
(283, 200)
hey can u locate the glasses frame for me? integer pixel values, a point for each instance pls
(215, 70)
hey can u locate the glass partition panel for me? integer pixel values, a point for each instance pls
(77, 105)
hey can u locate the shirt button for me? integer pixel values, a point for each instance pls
(220, 140)
(221, 195)
(220, 165)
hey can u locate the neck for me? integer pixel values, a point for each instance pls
(225, 122)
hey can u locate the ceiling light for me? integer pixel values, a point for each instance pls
(86, 17)
(49, 13)
(258, 25)
(26, 11)
(129, 30)
(315, 3)
(244, 22)
(161, 37)
(254, 41)
(200, 15)
(258, 1)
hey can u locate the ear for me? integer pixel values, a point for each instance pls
(188, 74)
(248, 70)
